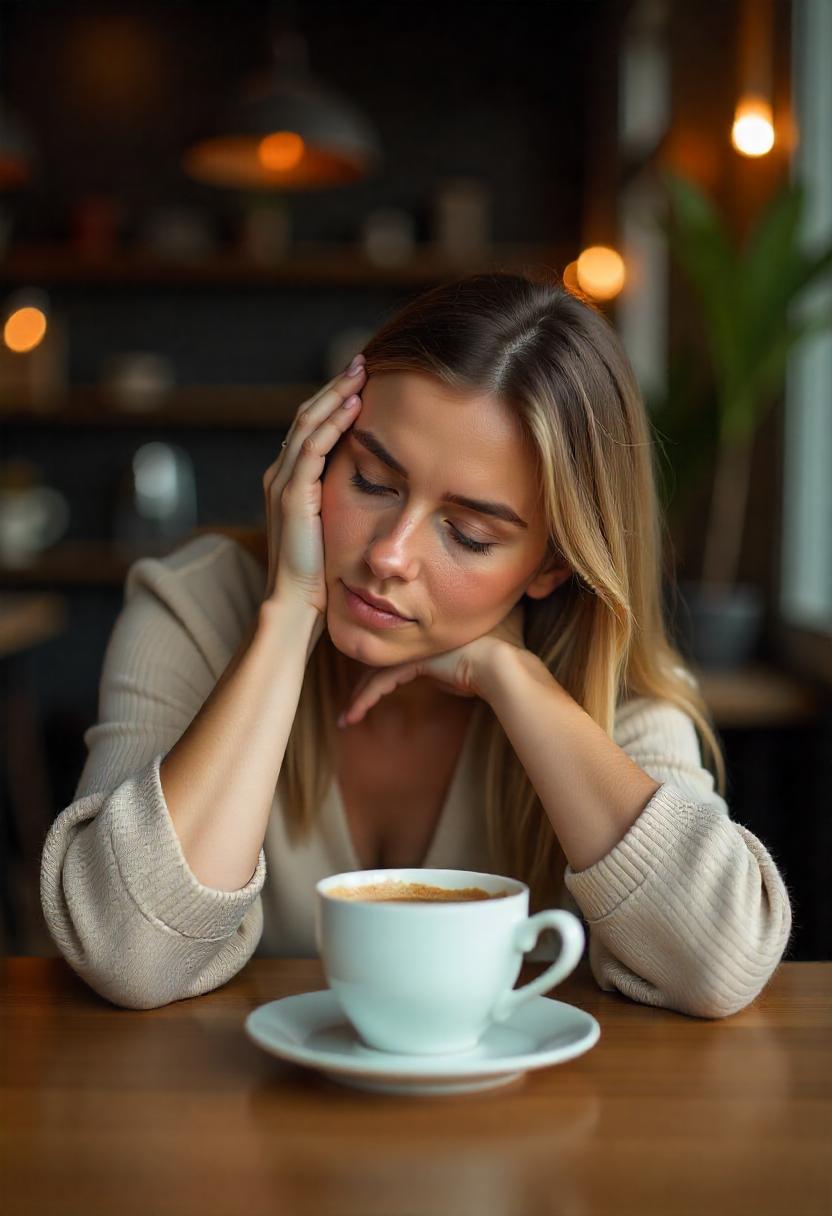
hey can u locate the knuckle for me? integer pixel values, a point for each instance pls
(308, 445)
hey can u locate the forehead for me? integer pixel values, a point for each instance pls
(472, 444)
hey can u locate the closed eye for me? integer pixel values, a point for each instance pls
(371, 487)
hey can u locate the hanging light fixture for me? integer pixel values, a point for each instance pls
(291, 133)
(752, 132)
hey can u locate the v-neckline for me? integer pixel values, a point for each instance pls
(443, 821)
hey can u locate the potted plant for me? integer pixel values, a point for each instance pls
(745, 296)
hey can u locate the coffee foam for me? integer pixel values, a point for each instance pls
(415, 892)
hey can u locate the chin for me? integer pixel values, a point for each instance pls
(373, 650)
(359, 644)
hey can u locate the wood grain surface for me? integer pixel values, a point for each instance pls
(174, 1110)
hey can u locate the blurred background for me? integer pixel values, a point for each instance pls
(205, 210)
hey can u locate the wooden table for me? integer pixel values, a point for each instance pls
(174, 1110)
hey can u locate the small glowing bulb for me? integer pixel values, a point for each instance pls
(24, 330)
(600, 272)
(280, 151)
(753, 131)
(570, 277)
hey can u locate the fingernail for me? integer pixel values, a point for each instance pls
(351, 401)
(355, 366)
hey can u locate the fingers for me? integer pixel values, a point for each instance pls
(332, 396)
(336, 386)
(313, 450)
(316, 407)
(329, 401)
(354, 714)
(372, 689)
(278, 475)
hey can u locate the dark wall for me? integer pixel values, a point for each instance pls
(112, 94)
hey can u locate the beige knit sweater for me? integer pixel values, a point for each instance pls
(688, 911)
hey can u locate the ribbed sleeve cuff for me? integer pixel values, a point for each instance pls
(152, 864)
(651, 844)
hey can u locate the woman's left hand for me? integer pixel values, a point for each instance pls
(458, 672)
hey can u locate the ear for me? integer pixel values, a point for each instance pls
(553, 571)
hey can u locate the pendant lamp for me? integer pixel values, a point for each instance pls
(289, 133)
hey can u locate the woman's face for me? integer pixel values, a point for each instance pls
(406, 542)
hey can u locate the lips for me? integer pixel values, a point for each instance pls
(375, 602)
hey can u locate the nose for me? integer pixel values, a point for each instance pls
(392, 551)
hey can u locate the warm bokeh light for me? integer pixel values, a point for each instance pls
(570, 277)
(600, 272)
(753, 131)
(280, 151)
(25, 329)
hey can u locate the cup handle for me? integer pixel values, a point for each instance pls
(572, 940)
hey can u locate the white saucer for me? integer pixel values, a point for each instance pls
(310, 1029)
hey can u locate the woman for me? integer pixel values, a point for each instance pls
(519, 709)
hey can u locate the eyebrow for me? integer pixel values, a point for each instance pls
(498, 509)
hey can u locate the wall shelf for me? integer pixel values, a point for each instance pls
(224, 406)
(329, 264)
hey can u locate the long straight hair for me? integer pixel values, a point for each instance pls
(557, 363)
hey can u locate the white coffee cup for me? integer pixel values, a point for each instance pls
(428, 978)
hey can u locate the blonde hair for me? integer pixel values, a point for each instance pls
(558, 364)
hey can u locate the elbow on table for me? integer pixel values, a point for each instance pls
(125, 992)
(714, 1001)
(127, 987)
(132, 971)
(156, 986)
(699, 982)
(700, 993)
(716, 992)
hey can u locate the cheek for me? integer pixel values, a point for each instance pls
(468, 599)
(459, 590)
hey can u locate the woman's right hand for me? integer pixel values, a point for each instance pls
(292, 489)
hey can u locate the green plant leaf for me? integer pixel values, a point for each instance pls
(772, 254)
(811, 267)
(743, 414)
(775, 277)
(744, 299)
(748, 305)
(700, 244)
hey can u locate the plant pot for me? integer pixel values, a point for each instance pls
(720, 626)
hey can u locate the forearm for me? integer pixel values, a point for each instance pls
(219, 778)
(591, 790)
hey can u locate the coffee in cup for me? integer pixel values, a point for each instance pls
(411, 892)
(423, 961)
